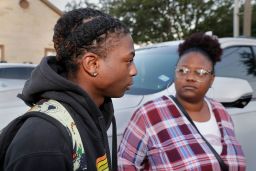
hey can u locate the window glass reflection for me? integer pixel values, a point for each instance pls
(16, 73)
(155, 69)
(238, 62)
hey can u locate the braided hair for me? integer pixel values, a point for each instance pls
(208, 45)
(84, 30)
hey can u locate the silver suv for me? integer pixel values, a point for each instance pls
(12, 79)
(234, 86)
(13, 73)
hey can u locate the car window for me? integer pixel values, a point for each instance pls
(155, 69)
(254, 50)
(238, 62)
(16, 72)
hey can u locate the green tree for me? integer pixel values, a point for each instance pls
(147, 19)
(220, 22)
(162, 20)
(78, 4)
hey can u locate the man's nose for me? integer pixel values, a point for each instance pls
(133, 70)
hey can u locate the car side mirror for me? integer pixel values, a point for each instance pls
(231, 92)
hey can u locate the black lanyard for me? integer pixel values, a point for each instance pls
(223, 166)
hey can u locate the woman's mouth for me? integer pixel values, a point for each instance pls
(189, 87)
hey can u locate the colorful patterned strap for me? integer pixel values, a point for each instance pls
(58, 111)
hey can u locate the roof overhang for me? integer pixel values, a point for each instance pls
(53, 7)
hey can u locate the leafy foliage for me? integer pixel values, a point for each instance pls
(163, 20)
(220, 21)
(78, 4)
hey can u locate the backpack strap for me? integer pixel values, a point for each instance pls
(57, 111)
(9, 132)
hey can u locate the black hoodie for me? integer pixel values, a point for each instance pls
(39, 145)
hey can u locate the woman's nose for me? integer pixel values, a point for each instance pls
(191, 76)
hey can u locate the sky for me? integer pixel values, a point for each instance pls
(62, 3)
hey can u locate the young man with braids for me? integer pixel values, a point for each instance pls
(94, 62)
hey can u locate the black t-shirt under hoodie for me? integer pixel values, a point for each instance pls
(39, 145)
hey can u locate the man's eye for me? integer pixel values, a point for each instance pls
(131, 61)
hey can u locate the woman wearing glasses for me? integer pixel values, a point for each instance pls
(188, 131)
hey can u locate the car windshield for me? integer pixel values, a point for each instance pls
(155, 69)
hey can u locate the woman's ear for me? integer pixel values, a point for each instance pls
(90, 63)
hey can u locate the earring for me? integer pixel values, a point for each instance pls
(94, 74)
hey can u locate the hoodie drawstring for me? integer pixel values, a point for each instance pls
(114, 145)
(114, 142)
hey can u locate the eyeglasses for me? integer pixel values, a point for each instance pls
(200, 75)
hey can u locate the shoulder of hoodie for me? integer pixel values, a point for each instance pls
(37, 136)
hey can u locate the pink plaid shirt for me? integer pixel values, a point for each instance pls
(159, 137)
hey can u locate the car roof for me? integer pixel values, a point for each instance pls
(162, 44)
(10, 65)
(236, 41)
(226, 41)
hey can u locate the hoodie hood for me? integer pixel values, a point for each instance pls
(48, 81)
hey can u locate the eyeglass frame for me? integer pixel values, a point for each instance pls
(195, 72)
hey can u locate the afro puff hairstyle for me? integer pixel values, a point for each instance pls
(200, 42)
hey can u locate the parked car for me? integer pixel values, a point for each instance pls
(12, 79)
(234, 86)
(13, 74)
(16, 70)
